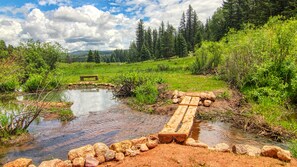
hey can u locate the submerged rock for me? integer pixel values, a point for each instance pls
(21, 162)
(276, 152)
(84, 151)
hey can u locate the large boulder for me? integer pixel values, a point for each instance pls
(246, 149)
(78, 162)
(109, 155)
(222, 147)
(121, 146)
(84, 151)
(91, 162)
(276, 152)
(100, 149)
(21, 162)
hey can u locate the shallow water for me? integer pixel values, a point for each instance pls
(102, 118)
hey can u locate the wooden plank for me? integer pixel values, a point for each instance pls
(194, 101)
(187, 124)
(166, 134)
(186, 100)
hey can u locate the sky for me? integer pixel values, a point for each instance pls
(91, 24)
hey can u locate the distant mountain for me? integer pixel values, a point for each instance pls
(84, 53)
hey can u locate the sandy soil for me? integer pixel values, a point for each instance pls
(174, 155)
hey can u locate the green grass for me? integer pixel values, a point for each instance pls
(176, 74)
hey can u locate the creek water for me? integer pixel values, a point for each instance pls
(102, 118)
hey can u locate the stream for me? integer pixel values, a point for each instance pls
(102, 118)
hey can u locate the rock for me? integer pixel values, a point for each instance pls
(31, 165)
(109, 155)
(189, 141)
(141, 140)
(132, 153)
(246, 149)
(200, 103)
(66, 163)
(207, 103)
(175, 94)
(284, 155)
(276, 152)
(100, 149)
(101, 159)
(91, 162)
(78, 162)
(152, 142)
(180, 94)
(175, 100)
(119, 156)
(121, 146)
(21, 162)
(84, 151)
(222, 147)
(143, 148)
(202, 145)
(51, 163)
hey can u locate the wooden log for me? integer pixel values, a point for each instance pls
(166, 134)
(186, 100)
(194, 101)
(187, 124)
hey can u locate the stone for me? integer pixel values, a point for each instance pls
(109, 155)
(119, 156)
(143, 148)
(207, 103)
(84, 151)
(78, 162)
(91, 162)
(189, 141)
(199, 144)
(276, 152)
(180, 94)
(175, 94)
(101, 159)
(222, 147)
(246, 149)
(121, 146)
(132, 153)
(31, 165)
(175, 100)
(100, 149)
(141, 140)
(284, 155)
(50, 163)
(152, 142)
(21, 162)
(66, 163)
(200, 103)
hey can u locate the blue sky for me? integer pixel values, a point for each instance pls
(90, 24)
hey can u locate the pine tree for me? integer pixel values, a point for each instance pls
(97, 56)
(90, 57)
(145, 53)
(181, 45)
(182, 25)
(155, 43)
(139, 36)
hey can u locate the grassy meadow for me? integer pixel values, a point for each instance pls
(175, 72)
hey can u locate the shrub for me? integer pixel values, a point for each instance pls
(147, 93)
(9, 85)
(34, 83)
(163, 67)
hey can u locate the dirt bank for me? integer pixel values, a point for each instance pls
(174, 155)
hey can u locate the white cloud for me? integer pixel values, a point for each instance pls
(87, 27)
(54, 2)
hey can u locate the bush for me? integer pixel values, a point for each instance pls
(163, 67)
(147, 93)
(208, 57)
(9, 85)
(34, 83)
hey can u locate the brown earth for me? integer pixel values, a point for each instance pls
(174, 155)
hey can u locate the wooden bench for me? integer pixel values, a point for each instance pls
(82, 78)
(180, 124)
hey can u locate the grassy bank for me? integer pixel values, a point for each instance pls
(175, 72)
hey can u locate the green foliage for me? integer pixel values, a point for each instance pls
(90, 56)
(147, 93)
(9, 85)
(208, 57)
(293, 148)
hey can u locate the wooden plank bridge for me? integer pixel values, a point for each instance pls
(180, 124)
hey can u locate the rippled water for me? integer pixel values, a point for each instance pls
(102, 118)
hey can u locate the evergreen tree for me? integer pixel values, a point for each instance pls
(145, 53)
(181, 46)
(97, 56)
(90, 56)
(182, 25)
(139, 36)
(149, 40)
(155, 44)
